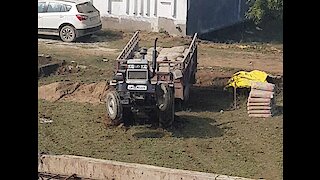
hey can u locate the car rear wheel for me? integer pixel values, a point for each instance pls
(67, 33)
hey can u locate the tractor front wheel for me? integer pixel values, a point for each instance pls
(114, 107)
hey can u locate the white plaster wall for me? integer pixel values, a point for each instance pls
(118, 7)
(171, 9)
(181, 11)
(102, 6)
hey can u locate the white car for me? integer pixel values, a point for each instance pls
(68, 19)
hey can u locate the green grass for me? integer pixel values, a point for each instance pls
(96, 69)
(203, 138)
(89, 75)
(74, 55)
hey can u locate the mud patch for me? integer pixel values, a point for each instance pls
(45, 59)
(93, 93)
(48, 65)
(213, 76)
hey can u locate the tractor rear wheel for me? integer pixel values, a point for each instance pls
(163, 97)
(166, 118)
(165, 106)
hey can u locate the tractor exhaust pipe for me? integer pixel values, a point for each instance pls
(154, 58)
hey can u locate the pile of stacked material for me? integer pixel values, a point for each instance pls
(261, 101)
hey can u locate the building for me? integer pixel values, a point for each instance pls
(177, 17)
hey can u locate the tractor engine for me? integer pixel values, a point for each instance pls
(136, 90)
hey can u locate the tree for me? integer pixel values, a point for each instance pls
(260, 10)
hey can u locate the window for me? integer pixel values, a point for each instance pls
(141, 7)
(135, 11)
(68, 7)
(137, 74)
(41, 6)
(86, 7)
(148, 8)
(57, 7)
(155, 7)
(128, 6)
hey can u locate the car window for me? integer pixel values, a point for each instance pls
(58, 7)
(86, 7)
(41, 6)
(68, 7)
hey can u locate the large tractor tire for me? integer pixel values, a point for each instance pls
(163, 97)
(114, 107)
(165, 106)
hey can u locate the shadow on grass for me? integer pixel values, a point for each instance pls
(246, 32)
(278, 111)
(149, 134)
(51, 37)
(100, 36)
(187, 126)
(211, 99)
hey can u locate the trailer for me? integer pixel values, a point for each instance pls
(149, 82)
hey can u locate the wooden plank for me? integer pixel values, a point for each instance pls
(258, 108)
(259, 100)
(265, 86)
(260, 115)
(260, 112)
(260, 93)
(252, 104)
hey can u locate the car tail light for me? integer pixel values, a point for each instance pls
(81, 17)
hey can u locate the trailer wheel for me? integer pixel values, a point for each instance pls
(163, 97)
(166, 117)
(186, 93)
(114, 108)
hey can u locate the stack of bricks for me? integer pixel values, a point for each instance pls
(261, 101)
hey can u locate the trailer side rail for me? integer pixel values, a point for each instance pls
(190, 57)
(130, 47)
(190, 62)
(191, 51)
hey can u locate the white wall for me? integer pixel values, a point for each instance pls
(144, 9)
(101, 5)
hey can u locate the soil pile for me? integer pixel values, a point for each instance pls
(93, 93)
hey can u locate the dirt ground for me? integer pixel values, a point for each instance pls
(208, 135)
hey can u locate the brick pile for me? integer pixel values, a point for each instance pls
(261, 100)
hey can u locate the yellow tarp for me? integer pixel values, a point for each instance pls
(243, 79)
